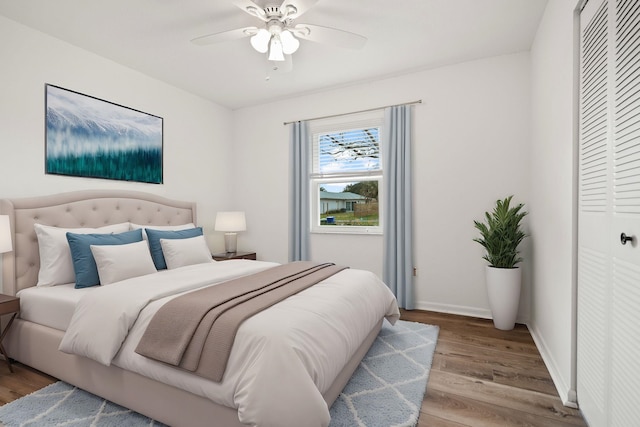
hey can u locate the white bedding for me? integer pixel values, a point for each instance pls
(50, 306)
(283, 359)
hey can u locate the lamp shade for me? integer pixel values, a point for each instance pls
(289, 43)
(260, 41)
(5, 234)
(275, 49)
(230, 221)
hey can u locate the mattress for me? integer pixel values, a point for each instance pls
(50, 306)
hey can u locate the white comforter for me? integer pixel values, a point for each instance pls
(283, 359)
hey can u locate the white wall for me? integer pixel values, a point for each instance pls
(197, 133)
(552, 218)
(471, 147)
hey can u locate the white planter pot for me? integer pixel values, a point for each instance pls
(503, 289)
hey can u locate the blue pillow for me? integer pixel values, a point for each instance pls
(83, 263)
(154, 236)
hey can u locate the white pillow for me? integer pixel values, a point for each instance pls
(181, 252)
(56, 267)
(120, 262)
(160, 227)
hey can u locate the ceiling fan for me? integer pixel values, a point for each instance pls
(278, 35)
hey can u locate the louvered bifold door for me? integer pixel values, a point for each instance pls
(625, 308)
(608, 369)
(594, 213)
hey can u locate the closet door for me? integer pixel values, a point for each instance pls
(594, 214)
(625, 304)
(609, 210)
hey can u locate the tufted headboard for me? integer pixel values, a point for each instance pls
(93, 208)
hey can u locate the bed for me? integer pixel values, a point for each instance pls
(35, 342)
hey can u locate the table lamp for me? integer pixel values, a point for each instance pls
(5, 234)
(230, 223)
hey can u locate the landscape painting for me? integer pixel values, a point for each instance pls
(90, 137)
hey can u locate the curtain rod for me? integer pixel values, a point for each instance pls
(419, 101)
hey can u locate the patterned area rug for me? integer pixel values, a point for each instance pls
(386, 390)
(388, 387)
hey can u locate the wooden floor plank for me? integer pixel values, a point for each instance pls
(433, 421)
(482, 376)
(491, 393)
(490, 364)
(473, 413)
(21, 382)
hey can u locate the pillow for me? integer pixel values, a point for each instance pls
(154, 237)
(160, 227)
(120, 262)
(83, 263)
(56, 267)
(181, 252)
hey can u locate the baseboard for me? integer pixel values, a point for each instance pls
(461, 310)
(567, 395)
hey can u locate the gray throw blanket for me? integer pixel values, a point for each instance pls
(196, 331)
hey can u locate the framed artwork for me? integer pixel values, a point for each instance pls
(90, 137)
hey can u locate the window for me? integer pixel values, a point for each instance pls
(346, 174)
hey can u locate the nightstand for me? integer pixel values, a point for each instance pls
(8, 305)
(224, 256)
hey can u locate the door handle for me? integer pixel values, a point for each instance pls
(624, 239)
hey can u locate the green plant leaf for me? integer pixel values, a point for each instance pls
(502, 233)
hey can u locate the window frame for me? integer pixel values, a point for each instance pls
(316, 180)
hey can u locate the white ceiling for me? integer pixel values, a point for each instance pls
(152, 36)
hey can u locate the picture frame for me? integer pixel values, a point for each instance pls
(90, 137)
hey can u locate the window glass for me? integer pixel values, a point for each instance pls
(351, 151)
(349, 203)
(346, 175)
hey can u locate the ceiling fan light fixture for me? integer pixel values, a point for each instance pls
(289, 43)
(279, 38)
(260, 41)
(275, 49)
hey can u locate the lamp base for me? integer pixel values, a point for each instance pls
(230, 240)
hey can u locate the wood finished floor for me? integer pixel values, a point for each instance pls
(480, 377)
(483, 377)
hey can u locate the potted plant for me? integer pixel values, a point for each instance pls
(500, 236)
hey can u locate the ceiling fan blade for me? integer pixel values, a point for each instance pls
(292, 9)
(251, 8)
(225, 36)
(320, 34)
